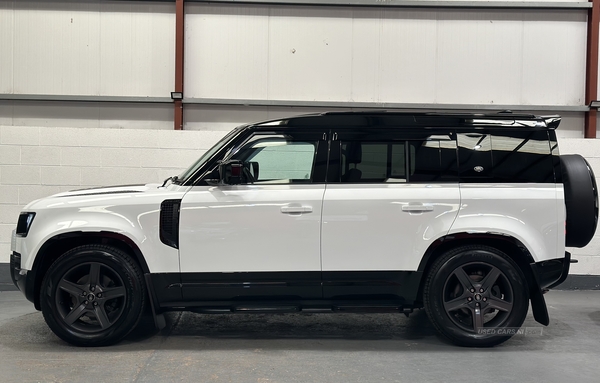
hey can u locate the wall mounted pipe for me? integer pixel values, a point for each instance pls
(591, 68)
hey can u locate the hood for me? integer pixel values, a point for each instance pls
(124, 189)
(113, 195)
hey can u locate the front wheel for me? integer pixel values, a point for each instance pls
(93, 295)
(476, 296)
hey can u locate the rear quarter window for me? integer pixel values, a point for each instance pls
(508, 156)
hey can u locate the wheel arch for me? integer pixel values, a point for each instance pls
(54, 247)
(507, 244)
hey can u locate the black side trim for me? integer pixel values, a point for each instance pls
(401, 286)
(373, 288)
(251, 286)
(169, 222)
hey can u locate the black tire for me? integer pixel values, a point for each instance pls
(581, 200)
(93, 295)
(476, 296)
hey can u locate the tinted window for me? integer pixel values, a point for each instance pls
(522, 157)
(373, 162)
(475, 156)
(398, 161)
(505, 156)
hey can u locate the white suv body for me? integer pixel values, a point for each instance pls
(329, 212)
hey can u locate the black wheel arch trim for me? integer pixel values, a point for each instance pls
(45, 257)
(458, 239)
(505, 243)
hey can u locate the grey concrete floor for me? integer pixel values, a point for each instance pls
(305, 348)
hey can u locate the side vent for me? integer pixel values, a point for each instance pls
(169, 222)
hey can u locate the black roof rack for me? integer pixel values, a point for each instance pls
(369, 118)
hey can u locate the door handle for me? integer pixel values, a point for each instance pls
(296, 209)
(420, 208)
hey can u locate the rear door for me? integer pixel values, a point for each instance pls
(390, 194)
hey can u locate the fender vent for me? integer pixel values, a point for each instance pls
(169, 222)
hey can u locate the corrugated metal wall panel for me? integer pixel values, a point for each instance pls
(412, 56)
(554, 51)
(480, 57)
(56, 48)
(6, 46)
(93, 48)
(407, 56)
(137, 49)
(226, 51)
(310, 54)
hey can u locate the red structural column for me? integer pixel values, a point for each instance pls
(179, 28)
(591, 81)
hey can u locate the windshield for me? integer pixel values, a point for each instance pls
(209, 153)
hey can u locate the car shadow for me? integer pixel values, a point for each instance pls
(336, 332)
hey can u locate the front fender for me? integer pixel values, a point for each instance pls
(137, 219)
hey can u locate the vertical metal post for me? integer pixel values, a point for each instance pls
(591, 68)
(179, 28)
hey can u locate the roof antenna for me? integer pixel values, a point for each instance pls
(507, 111)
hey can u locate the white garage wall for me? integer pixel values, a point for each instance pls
(529, 57)
(87, 48)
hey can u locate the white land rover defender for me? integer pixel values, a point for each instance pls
(466, 215)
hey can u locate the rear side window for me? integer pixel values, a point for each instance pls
(427, 160)
(507, 156)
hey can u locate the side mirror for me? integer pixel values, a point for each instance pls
(231, 172)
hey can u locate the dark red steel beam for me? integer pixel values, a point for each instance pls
(179, 28)
(591, 68)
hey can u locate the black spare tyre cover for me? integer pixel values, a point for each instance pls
(581, 199)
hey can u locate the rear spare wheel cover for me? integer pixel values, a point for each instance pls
(581, 200)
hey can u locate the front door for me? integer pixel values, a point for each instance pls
(259, 239)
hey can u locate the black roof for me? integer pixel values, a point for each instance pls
(418, 119)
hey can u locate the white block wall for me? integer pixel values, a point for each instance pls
(39, 161)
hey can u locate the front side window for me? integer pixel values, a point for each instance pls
(277, 159)
(209, 153)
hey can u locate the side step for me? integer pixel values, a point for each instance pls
(278, 309)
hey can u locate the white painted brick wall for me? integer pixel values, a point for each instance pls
(39, 161)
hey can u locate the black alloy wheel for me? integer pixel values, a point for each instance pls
(476, 296)
(93, 295)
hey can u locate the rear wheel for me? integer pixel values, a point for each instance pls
(476, 296)
(93, 295)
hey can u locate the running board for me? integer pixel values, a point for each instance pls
(339, 308)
